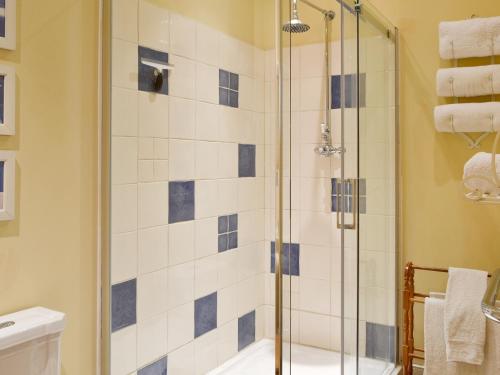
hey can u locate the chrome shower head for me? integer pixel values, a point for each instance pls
(295, 25)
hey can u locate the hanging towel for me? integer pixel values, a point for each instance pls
(477, 37)
(470, 81)
(464, 321)
(478, 173)
(468, 117)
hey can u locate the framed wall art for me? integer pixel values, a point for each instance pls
(8, 24)
(7, 185)
(7, 100)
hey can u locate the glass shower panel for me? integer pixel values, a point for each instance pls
(377, 192)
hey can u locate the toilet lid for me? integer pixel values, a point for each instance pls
(27, 325)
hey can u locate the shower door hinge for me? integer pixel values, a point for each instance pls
(357, 7)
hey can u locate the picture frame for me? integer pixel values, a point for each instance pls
(7, 100)
(7, 185)
(8, 24)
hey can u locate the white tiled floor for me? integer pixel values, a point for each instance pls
(259, 359)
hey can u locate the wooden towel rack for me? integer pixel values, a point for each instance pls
(410, 297)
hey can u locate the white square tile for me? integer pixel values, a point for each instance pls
(259, 97)
(182, 160)
(246, 93)
(246, 62)
(206, 231)
(312, 60)
(151, 294)
(181, 242)
(181, 361)
(227, 196)
(205, 352)
(182, 118)
(207, 44)
(206, 205)
(161, 170)
(182, 36)
(227, 264)
(124, 112)
(182, 79)
(153, 249)
(124, 208)
(161, 149)
(124, 61)
(227, 341)
(205, 276)
(259, 58)
(123, 160)
(248, 194)
(206, 160)
(247, 296)
(124, 20)
(314, 295)
(315, 262)
(153, 204)
(315, 330)
(229, 53)
(311, 94)
(123, 351)
(146, 171)
(124, 257)
(146, 148)
(247, 261)
(153, 115)
(227, 305)
(151, 339)
(314, 228)
(154, 26)
(316, 194)
(229, 124)
(227, 160)
(207, 121)
(312, 164)
(207, 83)
(180, 326)
(181, 284)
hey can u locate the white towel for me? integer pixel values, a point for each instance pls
(464, 321)
(467, 117)
(479, 166)
(477, 37)
(470, 81)
(435, 346)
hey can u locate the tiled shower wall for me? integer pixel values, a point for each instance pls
(188, 248)
(312, 291)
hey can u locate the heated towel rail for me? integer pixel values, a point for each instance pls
(410, 297)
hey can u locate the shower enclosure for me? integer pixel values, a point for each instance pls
(252, 188)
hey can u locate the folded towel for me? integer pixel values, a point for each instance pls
(478, 174)
(470, 81)
(435, 346)
(476, 37)
(464, 321)
(467, 117)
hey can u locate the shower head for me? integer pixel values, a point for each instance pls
(295, 25)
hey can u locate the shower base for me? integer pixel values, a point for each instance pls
(259, 359)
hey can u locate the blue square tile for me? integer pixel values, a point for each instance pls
(123, 305)
(181, 203)
(380, 341)
(156, 368)
(233, 223)
(336, 98)
(2, 3)
(233, 99)
(246, 160)
(223, 224)
(334, 186)
(362, 205)
(2, 99)
(146, 73)
(223, 96)
(2, 166)
(290, 259)
(362, 186)
(246, 330)
(223, 239)
(232, 240)
(234, 81)
(2, 26)
(205, 314)
(224, 78)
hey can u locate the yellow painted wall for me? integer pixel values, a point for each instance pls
(48, 254)
(440, 228)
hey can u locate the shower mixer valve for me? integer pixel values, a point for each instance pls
(326, 149)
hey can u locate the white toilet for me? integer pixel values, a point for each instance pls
(30, 342)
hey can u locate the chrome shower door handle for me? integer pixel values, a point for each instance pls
(353, 183)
